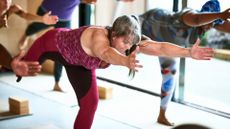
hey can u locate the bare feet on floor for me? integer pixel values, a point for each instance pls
(164, 121)
(57, 88)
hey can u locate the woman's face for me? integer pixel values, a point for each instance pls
(122, 43)
(4, 5)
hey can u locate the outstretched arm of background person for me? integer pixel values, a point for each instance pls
(166, 49)
(225, 27)
(196, 19)
(24, 68)
(46, 19)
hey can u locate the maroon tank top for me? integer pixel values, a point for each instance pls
(69, 45)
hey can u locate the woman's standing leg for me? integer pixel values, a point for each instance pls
(85, 87)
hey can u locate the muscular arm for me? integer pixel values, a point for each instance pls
(102, 50)
(166, 49)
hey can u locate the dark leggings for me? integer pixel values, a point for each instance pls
(82, 80)
(37, 26)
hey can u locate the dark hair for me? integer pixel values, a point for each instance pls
(191, 126)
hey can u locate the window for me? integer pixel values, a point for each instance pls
(207, 82)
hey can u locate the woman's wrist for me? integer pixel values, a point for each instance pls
(190, 52)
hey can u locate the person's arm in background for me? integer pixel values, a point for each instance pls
(196, 19)
(165, 49)
(225, 27)
(46, 19)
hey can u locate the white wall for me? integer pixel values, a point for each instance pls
(107, 10)
(159, 4)
(224, 4)
(9, 37)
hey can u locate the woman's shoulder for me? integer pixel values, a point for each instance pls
(95, 33)
(97, 30)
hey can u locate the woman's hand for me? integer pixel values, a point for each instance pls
(24, 68)
(49, 19)
(199, 53)
(132, 62)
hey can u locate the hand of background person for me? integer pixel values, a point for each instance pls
(201, 53)
(3, 21)
(49, 19)
(89, 1)
(24, 68)
(226, 14)
(132, 62)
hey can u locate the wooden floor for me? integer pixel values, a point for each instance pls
(127, 109)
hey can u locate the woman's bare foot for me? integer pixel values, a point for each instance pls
(57, 88)
(164, 121)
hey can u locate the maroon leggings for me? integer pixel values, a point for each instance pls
(82, 79)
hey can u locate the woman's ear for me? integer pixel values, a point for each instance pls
(113, 35)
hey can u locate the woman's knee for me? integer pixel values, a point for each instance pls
(89, 104)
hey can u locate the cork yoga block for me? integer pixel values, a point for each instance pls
(105, 92)
(18, 105)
